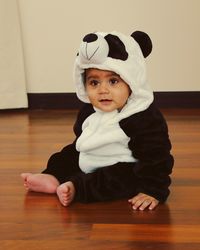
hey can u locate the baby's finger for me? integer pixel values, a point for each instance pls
(145, 204)
(137, 204)
(154, 203)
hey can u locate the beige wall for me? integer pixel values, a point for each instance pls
(52, 29)
(12, 74)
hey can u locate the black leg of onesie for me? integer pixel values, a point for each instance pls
(64, 164)
(108, 183)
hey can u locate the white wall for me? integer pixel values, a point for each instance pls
(52, 30)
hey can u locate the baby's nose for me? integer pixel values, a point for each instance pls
(103, 88)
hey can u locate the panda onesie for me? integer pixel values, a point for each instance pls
(116, 154)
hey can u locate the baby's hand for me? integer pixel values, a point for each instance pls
(142, 201)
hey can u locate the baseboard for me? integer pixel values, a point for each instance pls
(53, 101)
(187, 99)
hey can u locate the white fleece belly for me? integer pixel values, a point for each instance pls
(102, 142)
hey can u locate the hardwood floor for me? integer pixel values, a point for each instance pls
(39, 221)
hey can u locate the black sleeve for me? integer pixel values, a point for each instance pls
(150, 144)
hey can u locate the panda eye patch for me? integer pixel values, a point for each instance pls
(117, 49)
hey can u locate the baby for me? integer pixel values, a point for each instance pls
(122, 147)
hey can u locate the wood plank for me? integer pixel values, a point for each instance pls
(147, 232)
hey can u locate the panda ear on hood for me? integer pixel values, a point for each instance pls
(144, 42)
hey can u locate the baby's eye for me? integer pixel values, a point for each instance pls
(93, 83)
(114, 81)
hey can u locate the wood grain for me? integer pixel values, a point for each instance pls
(39, 221)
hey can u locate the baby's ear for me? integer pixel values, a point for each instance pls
(144, 41)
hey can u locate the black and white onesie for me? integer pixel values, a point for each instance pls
(116, 154)
(149, 174)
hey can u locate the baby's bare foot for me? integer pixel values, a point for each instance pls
(40, 182)
(66, 193)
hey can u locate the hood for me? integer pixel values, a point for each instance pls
(125, 55)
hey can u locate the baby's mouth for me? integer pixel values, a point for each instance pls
(105, 101)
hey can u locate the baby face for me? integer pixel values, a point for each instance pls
(106, 90)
